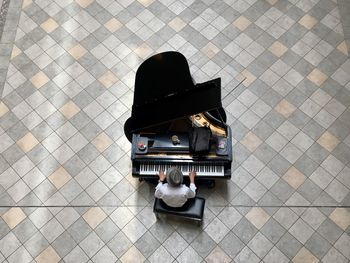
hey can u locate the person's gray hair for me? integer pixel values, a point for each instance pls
(174, 176)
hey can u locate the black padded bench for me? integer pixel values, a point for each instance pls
(193, 209)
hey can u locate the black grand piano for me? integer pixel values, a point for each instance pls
(167, 104)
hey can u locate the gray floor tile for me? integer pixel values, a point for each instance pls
(25, 230)
(106, 230)
(329, 230)
(231, 245)
(317, 245)
(119, 244)
(289, 245)
(309, 190)
(282, 190)
(260, 245)
(203, 244)
(341, 245)
(273, 230)
(64, 244)
(244, 230)
(147, 244)
(79, 230)
(91, 244)
(4, 229)
(76, 255)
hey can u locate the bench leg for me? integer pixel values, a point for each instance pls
(157, 216)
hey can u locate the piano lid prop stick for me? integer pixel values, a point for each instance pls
(222, 121)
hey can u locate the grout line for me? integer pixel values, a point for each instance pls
(151, 205)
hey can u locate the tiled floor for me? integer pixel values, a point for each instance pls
(67, 69)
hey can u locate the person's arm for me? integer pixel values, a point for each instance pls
(192, 190)
(159, 193)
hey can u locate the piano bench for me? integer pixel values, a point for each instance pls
(193, 209)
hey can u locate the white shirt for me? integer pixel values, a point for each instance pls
(175, 196)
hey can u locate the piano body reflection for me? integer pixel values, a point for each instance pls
(167, 103)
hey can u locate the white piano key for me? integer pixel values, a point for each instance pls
(205, 169)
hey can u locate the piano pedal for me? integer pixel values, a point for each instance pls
(211, 184)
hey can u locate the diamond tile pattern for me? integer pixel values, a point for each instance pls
(67, 73)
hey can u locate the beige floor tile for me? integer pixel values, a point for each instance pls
(77, 51)
(217, 255)
(177, 24)
(258, 217)
(49, 255)
(251, 141)
(84, 3)
(108, 79)
(27, 142)
(94, 216)
(143, 51)
(133, 255)
(60, 177)
(13, 217)
(146, 3)
(247, 77)
(69, 109)
(26, 3)
(241, 23)
(341, 216)
(285, 108)
(49, 25)
(113, 25)
(304, 256)
(133, 181)
(15, 51)
(102, 142)
(210, 50)
(328, 141)
(3, 109)
(342, 47)
(39, 79)
(317, 77)
(294, 177)
(308, 21)
(278, 49)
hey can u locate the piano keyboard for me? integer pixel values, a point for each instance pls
(203, 169)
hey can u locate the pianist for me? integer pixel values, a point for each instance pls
(174, 193)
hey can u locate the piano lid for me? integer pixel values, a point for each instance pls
(164, 91)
